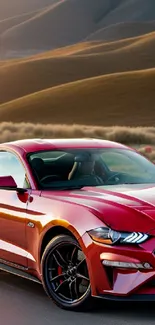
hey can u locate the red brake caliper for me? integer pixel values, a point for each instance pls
(60, 272)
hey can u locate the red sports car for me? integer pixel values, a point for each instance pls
(78, 216)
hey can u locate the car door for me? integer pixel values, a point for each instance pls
(13, 212)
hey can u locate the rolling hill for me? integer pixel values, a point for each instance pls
(8, 23)
(78, 61)
(121, 97)
(19, 7)
(70, 21)
(129, 11)
(122, 30)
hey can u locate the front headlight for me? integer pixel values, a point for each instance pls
(108, 236)
(105, 235)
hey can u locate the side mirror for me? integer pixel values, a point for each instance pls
(7, 182)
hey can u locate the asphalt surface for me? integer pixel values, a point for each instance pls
(23, 302)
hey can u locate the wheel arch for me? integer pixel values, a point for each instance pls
(53, 232)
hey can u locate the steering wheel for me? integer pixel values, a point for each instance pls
(50, 178)
(112, 176)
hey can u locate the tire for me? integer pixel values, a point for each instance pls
(65, 275)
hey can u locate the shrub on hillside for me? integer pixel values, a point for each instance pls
(126, 135)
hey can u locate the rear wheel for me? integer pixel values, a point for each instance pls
(65, 274)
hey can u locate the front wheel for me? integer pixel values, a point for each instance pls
(65, 274)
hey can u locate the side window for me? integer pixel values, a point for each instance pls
(10, 165)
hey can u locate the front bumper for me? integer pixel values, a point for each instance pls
(114, 283)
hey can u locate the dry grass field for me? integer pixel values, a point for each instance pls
(132, 136)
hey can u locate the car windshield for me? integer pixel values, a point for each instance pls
(76, 168)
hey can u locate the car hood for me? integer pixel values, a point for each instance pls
(122, 207)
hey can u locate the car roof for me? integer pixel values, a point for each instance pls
(34, 145)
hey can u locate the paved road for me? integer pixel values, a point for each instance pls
(24, 303)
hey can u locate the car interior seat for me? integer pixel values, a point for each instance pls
(38, 167)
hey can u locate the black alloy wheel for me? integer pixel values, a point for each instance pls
(65, 274)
